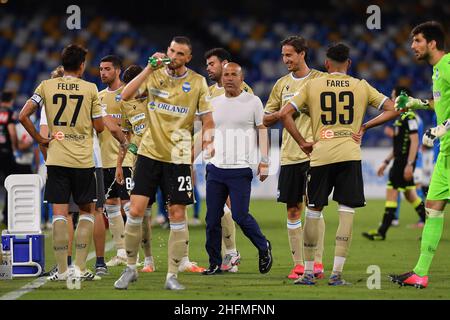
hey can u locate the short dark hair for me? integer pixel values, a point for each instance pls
(115, 60)
(338, 52)
(431, 30)
(183, 40)
(7, 96)
(220, 53)
(73, 56)
(399, 89)
(131, 72)
(298, 42)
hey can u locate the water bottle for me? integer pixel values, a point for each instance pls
(133, 148)
(155, 62)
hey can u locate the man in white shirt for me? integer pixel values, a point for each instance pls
(238, 116)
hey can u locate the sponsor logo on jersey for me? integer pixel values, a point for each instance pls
(330, 134)
(139, 129)
(288, 96)
(436, 74)
(116, 115)
(186, 87)
(168, 108)
(159, 93)
(59, 135)
(137, 118)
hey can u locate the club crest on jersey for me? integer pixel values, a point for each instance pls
(118, 97)
(186, 87)
(152, 105)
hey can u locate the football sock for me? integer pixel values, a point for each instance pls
(60, 242)
(389, 215)
(320, 247)
(133, 237)
(178, 241)
(420, 208)
(343, 237)
(295, 236)
(147, 233)
(83, 235)
(116, 224)
(100, 261)
(311, 234)
(431, 234)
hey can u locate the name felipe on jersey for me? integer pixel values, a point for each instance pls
(168, 108)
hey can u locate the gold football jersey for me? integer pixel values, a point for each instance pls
(109, 146)
(173, 104)
(337, 103)
(285, 89)
(70, 105)
(215, 90)
(135, 119)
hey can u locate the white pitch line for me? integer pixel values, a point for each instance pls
(39, 282)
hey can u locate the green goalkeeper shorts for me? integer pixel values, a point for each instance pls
(440, 180)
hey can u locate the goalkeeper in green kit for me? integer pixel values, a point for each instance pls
(428, 44)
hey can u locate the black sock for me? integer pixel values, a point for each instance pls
(389, 215)
(69, 260)
(100, 261)
(420, 209)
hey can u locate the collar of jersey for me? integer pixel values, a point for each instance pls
(111, 91)
(180, 77)
(293, 77)
(340, 73)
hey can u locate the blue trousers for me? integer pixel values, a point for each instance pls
(237, 184)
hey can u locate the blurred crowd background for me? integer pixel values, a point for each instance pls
(33, 33)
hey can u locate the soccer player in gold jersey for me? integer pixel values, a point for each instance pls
(176, 95)
(117, 195)
(134, 123)
(294, 162)
(73, 111)
(336, 104)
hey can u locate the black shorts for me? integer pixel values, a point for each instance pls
(292, 183)
(114, 190)
(346, 179)
(63, 182)
(175, 180)
(100, 193)
(396, 178)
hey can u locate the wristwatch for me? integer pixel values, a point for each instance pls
(410, 163)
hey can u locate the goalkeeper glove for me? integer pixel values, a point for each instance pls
(436, 132)
(402, 103)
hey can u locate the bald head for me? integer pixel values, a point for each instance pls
(232, 78)
(232, 67)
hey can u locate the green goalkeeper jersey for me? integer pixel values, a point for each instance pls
(441, 95)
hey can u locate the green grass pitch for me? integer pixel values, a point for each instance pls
(395, 255)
